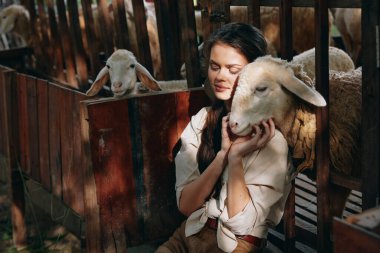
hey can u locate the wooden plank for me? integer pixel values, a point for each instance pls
(349, 238)
(78, 168)
(55, 140)
(156, 177)
(370, 104)
(33, 125)
(205, 15)
(66, 108)
(45, 39)
(303, 3)
(56, 43)
(286, 31)
(23, 124)
(112, 161)
(106, 26)
(289, 221)
(72, 178)
(80, 55)
(254, 13)
(93, 43)
(121, 28)
(16, 187)
(67, 44)
(91, 207)
(189, 42)
(144, 54)
(43, 127)
(322, 133)
(218, 14)
(346, 181)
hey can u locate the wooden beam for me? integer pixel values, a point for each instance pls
(370, 103)
(322, 134)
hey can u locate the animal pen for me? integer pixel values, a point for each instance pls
(106, 164)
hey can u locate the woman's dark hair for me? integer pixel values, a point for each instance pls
(251, 43)
(246, 38)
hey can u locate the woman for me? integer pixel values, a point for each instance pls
(231, 188)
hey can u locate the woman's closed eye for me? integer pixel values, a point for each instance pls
(214, 66)
(234, 70)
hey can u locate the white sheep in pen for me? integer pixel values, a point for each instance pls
(348, 22)
(302, 19)
(273, 88)
(15, 19)
(122, 69)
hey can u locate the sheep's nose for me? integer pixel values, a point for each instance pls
(117, 84)
(233, 124)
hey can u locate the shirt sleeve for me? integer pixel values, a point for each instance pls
(266, 179)
(185, 160)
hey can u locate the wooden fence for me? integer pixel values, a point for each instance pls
(107, 160)
(28, 111)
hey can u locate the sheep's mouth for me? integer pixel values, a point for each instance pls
(118, 93)
(243, 131)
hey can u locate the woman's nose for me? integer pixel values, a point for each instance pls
(221, 74)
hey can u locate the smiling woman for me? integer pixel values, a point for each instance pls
(231, 188)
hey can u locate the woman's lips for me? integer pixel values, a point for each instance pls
(220, 88)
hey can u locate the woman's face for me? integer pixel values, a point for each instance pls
(225, 65)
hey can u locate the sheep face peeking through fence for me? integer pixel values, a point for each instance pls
(274, 88)
(16, 19)
(122, 69)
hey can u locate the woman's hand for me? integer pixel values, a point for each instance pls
(241, 146)
(226, 135)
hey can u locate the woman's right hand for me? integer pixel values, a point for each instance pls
(226, 136)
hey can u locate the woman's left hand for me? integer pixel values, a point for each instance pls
(262, 134)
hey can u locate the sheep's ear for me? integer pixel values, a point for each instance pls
(303, 91)
(100, 81)
(146, 78)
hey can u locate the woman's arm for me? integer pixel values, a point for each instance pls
(237, 192)
(195, 193)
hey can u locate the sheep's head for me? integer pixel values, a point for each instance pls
(121, 68)
(12, 14)
(264, 91)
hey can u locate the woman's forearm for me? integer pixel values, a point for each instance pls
(237, 192)
(195, 193)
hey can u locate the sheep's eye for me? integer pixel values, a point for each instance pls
(132, 66)
(108, 66)
(261, 89)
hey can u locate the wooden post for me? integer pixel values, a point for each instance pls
(189, 40)
(322, 134)
(370, 103)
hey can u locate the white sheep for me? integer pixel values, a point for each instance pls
(274, 88)
(15, 19)
(348, 23)
(122, 69)
(339, 60)
(302, 18)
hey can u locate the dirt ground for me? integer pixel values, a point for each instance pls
(43, 234)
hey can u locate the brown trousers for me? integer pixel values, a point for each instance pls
(202, 242)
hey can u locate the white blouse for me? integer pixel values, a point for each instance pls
(268, 174)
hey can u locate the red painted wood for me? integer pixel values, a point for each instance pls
(55, 140)
(43, 119)
(33, 123)
(23, 124)
(113, 172)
